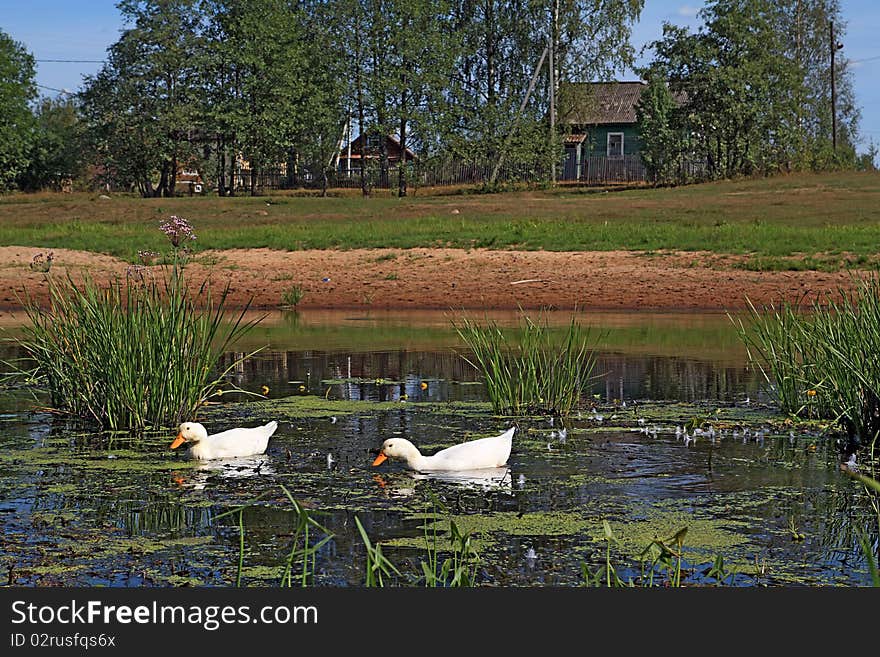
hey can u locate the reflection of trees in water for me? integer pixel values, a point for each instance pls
(662, 377)
(832, 520)
(158, 514)
(622, 376)
(810, 495)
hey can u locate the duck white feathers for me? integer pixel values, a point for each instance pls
(242, 441)
(491, 452)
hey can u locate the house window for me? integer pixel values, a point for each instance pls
(373, 142)
(615, 145)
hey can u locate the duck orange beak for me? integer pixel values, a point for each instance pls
(178, 442)
(380, 459)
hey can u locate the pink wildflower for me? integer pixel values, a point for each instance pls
(177, 229)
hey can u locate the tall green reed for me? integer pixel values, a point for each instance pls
(777, 346)
(378, 566)
(450, 558)
(459, 567)
(821, 360)
(136, 353)
(238, 571)
(531, 370)
(300, 565)
(872, 488)
(457, 570)
(303, 550)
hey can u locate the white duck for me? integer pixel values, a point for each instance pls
(231, 443)
(473, 455)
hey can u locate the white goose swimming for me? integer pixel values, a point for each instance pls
(226, 444)
(477, 454)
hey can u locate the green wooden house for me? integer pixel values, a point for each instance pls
(601, 140)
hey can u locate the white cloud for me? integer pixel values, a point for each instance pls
(687, 11)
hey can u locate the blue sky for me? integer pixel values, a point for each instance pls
(62, 29)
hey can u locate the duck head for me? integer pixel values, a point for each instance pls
(189, 432)
(399, 448)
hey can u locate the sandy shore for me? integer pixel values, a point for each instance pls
(449, 278)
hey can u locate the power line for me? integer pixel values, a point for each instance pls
(61, 91)
(866, 59)
(72, 61)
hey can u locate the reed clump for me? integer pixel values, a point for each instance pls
(820, 360)
(531, 370)
(139, 352)
(292, 296)
(129, 355)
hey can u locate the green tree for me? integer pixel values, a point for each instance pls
(17, 90)
(806, 28)
(121, 144)
(448, 76)
(56, 154)
(400, 59)
(501, 44)
(271, 87)
(324, 106)
(349, 29)
(271, 57)
(421, 53)
(659, 131)
(756, 83)
(737, 86)
(141, 108)
(167, 33)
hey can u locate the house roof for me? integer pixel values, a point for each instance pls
(391, 139)
(396, 142)
(584, 103)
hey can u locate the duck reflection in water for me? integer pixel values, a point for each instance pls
(488, 479)
(234, 468)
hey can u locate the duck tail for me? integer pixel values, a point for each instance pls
(271, 427)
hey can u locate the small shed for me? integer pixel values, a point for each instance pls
(190, 181)
(350, 155)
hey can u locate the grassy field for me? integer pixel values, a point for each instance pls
(834, 219)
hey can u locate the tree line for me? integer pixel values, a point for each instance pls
(750, 92)
(205, 84)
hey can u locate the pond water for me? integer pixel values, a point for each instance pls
(86, 508)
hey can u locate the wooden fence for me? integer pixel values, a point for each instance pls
(601, 170)
(595, 170)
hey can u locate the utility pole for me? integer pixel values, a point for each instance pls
(834, 48)
(348, 151)
(554, 26)
(513, 128)
(552, 115)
